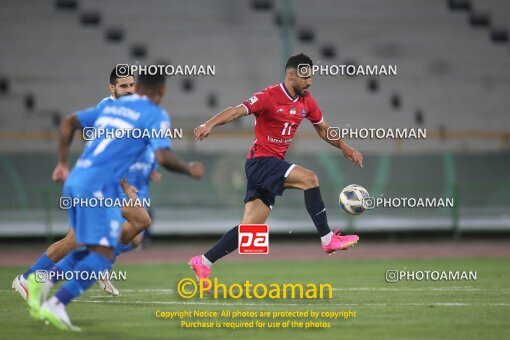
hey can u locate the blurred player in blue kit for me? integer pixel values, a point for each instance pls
(137, 219)
(98, 174)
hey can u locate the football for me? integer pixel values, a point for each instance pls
(351, 199)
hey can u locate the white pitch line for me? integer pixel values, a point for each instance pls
(396, 289)
(148, 290)
(390, 289)
(382, 289)
(138, 292)
(207, 303)
(438, 304)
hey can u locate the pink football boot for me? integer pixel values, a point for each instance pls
(339, 242)
(200, 269)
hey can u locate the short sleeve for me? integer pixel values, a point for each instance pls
(161, 123)
(314, 113)
(88, 117)
(256, 103)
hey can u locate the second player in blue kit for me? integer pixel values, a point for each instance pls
(97, 175)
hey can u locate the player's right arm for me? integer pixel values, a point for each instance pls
(66, 133)
(79, 120)
(224, 117)
(255, 105)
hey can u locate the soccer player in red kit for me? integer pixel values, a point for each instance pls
(279, 110)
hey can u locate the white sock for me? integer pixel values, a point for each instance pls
(206, 262)
(48, 285)
(326, 238)
(53, 301)
(23, 280)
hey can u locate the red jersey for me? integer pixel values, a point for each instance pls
(278, 116)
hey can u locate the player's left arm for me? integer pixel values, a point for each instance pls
(164, 155)
(155, 175)
(349, 152)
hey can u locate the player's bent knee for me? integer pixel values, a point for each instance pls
(141, 223)
(145, 222)
(141, 220)
(311, 180)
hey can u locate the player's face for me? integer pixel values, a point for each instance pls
(301, 85)
(123, 87)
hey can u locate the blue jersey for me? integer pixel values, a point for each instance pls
(88, 120)
(139, 173)
(105, 161)
(105, 101)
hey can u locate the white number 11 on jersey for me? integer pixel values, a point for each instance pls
(287, 127)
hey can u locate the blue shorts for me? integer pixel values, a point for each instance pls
(266, 177)
(96, 226)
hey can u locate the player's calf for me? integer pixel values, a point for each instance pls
(61, 248)
(306, 180)
(310, 180)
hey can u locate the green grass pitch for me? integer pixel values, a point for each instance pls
(404, 310)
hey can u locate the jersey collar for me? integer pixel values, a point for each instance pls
(284, 89)
(137, 96)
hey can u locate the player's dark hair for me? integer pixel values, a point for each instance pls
(114, 77)
(297, 59)
(151, 81)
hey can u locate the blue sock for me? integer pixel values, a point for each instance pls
(43, 263)
(123, 248)
(67, 264)
(92, 263)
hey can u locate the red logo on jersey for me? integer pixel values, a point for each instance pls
(253, 238)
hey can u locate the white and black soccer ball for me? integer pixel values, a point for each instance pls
(351, 199)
